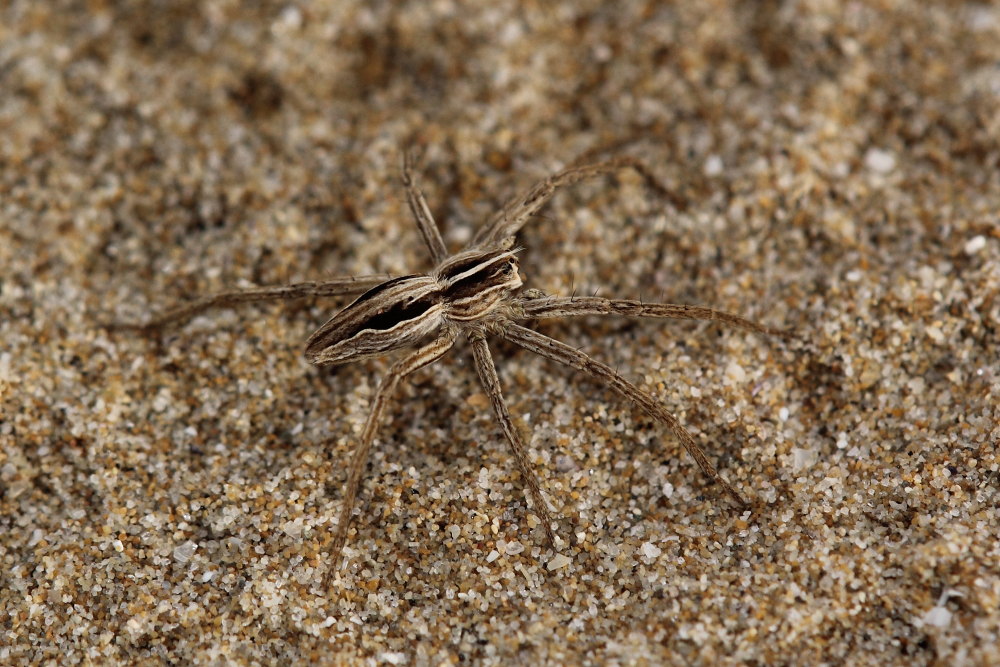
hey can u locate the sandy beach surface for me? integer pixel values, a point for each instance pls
(828, 168)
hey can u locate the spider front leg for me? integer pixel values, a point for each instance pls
(491, 383)
(546, 306)
(564, 354)
(427, 354)
(183, 313)
(422, 212)
(515, 213)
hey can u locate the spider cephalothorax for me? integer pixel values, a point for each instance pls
(473, 292)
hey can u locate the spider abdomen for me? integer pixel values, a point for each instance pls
(399, 313)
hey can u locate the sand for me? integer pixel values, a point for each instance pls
(833, 169)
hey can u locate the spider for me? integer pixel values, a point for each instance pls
(475, 293)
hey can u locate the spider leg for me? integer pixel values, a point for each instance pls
(422, 212)
(516, 212)
(564, 354)
(421, 357)
(589, 305)
(182, 313)
(491, 383)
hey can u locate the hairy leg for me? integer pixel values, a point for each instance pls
(491, 383)
(592, 305)
(422, 212)
(183, 313)
(421, 357)
(564, 354)
(516, 212)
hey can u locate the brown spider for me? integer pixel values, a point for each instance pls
(475, 292)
